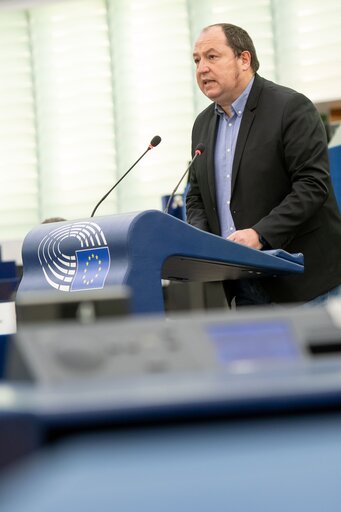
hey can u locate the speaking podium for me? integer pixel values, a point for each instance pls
(138, 250)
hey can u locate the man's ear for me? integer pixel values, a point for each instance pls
(245, 57)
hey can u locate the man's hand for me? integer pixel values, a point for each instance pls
(248, 237)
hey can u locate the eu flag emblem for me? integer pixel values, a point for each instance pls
(92, 268)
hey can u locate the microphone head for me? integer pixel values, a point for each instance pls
(155, 141)
(199, 149)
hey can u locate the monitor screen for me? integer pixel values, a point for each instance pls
(253, 341)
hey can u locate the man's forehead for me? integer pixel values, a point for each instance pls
(210, 39)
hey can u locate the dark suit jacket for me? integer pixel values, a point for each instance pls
(280, 186)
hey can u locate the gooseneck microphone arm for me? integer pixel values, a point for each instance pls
(153, 143)
(198, 151)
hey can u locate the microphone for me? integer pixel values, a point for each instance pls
(198, 151)
(153, 143)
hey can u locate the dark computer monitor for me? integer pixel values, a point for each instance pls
(84, 306)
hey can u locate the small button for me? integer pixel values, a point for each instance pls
(132, 347)
(80, 359)
(171, 342)
(156, 365)
(113, 349)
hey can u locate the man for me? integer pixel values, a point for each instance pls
(263, 180)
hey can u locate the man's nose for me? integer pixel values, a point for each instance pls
(202, 66)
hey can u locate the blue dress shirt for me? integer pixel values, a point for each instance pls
(227, 135)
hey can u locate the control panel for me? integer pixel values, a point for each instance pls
(257, 342)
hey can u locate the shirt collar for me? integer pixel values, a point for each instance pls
(239, 104)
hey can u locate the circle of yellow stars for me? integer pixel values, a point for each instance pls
(91, 258)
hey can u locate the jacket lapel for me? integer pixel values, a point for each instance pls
(246, 123)
(210, 157)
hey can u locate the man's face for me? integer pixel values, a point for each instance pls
(220, 73)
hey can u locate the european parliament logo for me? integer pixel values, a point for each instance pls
(75, 257)
(92, 268)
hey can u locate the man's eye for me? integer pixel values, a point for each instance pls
(212, 57)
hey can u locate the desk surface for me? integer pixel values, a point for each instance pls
(289, 463)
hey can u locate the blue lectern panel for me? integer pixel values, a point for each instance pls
(137, 249)
(335, 171)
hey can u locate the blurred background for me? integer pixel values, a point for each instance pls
(86, 84)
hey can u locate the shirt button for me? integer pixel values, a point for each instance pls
(228, 150)
(239, 112)
(231, 229)
(230, 124)
(228, 203)
(227, 175)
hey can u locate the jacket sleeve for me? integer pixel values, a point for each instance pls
(304, 146)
